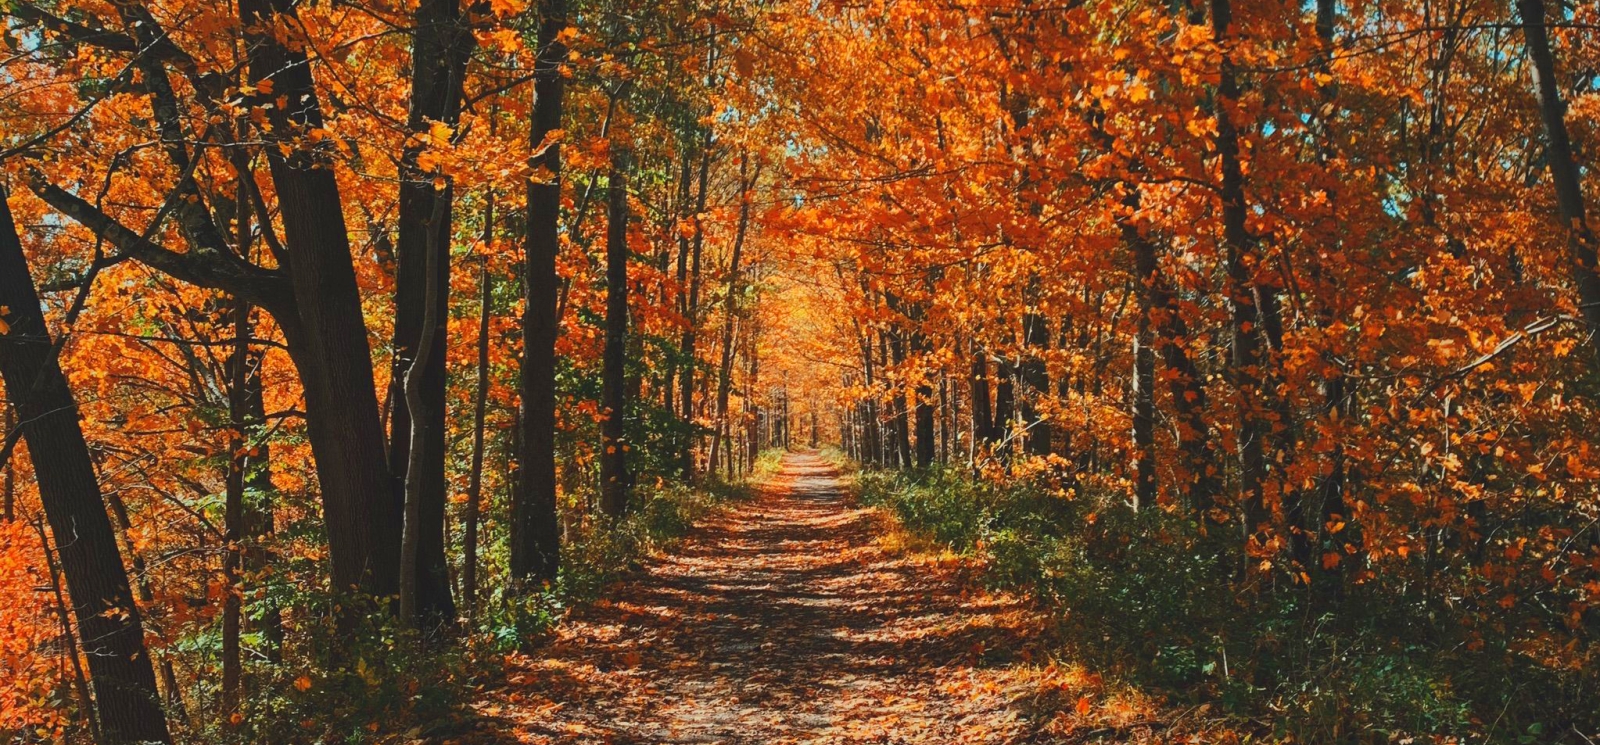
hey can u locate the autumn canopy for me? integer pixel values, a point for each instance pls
(347, 346)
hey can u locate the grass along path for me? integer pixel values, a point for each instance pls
(791, 620)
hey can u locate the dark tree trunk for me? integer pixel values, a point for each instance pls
(1005, 400)
(328, 335)
(8, 492)
(1565, 173)
(613, 430)
(1144, 415)
(1335, 403)
(871, 432)
(923, 409)
(424, 418)
(102, 599)
(480, 409)
(1244, 368)
(753, 421)
(1036, 382)
(947, 417)
(239, 369)
(1198, 477)
(441, 45)
(730, 308)
(978, 379)
(691, 311)
(536, 527)
(896, 352)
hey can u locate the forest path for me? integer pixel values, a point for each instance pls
(782, 620)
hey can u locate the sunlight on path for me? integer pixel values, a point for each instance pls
(782, 621)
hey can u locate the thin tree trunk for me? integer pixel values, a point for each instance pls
(423, 419)
(233, 512)
(102, 600)
(691, 310)
(536, 527)
(613, 430)
(922, 407)
(1565, 174)
(8, 492)
(441, 45)
(669, 400)
(1036, 382)
(730, 308)
(480, 408)
(1239, 258)
(978, 380)
(1335, 402)
(1005, 400)
(1144, 415)
(1198, 476)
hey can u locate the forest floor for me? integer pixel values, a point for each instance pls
(798, 617)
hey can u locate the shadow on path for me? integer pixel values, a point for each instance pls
(781, 621)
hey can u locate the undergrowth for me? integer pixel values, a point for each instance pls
(1140, 596)
(384, 683)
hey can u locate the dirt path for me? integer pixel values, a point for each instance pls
(782, 621)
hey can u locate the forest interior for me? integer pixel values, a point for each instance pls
(799, 371)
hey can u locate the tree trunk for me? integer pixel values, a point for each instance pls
(1565, 173)
(441, 45)
(729, 308)
(233, 510)
(1005, 400)
(1198, 476)
(328, 335)
(480, 408)
(8, 491)
(613, 430)
(536, 527)
(691, 312)
(1036, 382)
(102, 600)
(923, 407)
(423, 420)
(978, 379)
(1239, 258)
(1144, 415)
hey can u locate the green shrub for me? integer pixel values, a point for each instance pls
(1142, 595)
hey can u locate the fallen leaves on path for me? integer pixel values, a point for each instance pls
(786, 620)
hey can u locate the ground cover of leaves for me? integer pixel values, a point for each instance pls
(789, 619)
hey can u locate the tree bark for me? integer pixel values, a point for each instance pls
(691, 311)
(1036, 381)
(1565, 174)
(441, 45)
(1240, 260)
(328, 335)
(1005, 400)
(1144, 415)
(8, 492)
(613, 431)
(102, 599)
(923, 407)
(480, 408)
(978, 380)
(1198, 478)
(730, 307)
(423, 419)
(536, 527)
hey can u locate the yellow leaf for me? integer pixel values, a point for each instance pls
(440, 133)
